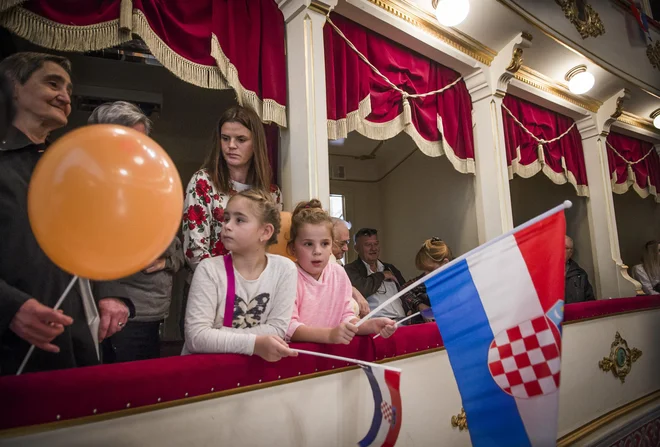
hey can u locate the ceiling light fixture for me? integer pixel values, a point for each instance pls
(451, 12)
(579, 80)
(655, 116)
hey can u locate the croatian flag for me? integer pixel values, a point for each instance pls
(386, 423)
(499, 310)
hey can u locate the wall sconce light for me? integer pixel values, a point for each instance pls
(655, 116)
(451, 12)
(579, 80)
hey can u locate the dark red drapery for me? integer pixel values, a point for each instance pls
(358, 99)
(235, 44)
(643, 176)
(561, 161)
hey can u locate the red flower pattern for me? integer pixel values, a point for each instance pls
(203, 217)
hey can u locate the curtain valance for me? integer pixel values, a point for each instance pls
(635, 163)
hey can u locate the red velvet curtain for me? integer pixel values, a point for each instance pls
(358, 99)
(643, 176)
(561, 161)
(235, 44)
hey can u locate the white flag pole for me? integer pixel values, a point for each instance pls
(57, 306)
(346, 359)
(564, 206)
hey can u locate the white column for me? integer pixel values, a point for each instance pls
(487, 87)
(304, 164)
(612, 279)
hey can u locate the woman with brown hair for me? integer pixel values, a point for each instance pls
(433, 254)
(238, 161)
(648, 272)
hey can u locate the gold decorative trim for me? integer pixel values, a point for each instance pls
(586, 22)
(638, 121)
(653, 53)
(621, 358)
(516, 60)
(574, 436)
(460, 421)
(578, 49)
(418, 17)
(544, 83)
(619, 108)
(527, 36)
(319, 7)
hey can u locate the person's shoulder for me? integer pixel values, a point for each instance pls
(282, 263)
(212, 264)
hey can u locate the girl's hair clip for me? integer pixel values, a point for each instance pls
(436, 239)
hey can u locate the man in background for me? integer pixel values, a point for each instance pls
(577, 285)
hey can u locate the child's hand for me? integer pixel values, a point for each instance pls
(343, 334)
(272, 348)
(379, 325)
(388, 330)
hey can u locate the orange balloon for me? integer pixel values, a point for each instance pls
(283, 238)
(105, 201)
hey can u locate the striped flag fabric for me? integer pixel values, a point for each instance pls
(388, 413)
(499, 310)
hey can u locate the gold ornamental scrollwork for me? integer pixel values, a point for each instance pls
(621, 358)
(516, 60)
(583, 17)
(619, 109)
(460, 421)
(653, 53)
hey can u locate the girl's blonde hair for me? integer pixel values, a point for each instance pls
(433, 252)
(651, 260)
(265, 209)
(311, 212)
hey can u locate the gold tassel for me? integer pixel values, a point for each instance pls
(407, 113)
(126, 15)
(539, 154)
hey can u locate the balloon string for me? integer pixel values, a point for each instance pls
(57, 306)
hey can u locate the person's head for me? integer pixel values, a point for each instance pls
(651, 258)
(340, 237)
(239, 142)
(41, 87)
(367, 245)
(568, 245)
(311, 237)
(433, 254)
(122, 113)
(251, 222)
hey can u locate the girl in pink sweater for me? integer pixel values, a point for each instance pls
(323, 312)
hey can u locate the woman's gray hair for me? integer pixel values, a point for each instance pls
(120, 112)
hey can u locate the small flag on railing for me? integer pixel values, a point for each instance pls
(386, 422)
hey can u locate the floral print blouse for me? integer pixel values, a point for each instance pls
(203, 214)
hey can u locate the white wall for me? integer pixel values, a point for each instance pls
(421, 198)
(637, 221)
(533, 196)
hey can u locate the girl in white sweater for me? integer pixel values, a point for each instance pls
(261, 286)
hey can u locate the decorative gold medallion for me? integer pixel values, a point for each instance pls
(583, 17)
(621, 358)
(653, 53)
(460, 421)
(516, 60)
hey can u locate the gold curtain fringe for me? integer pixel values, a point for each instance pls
(356, 121)
(341, 127)
(200, 75)
(8, 4)
(558, 178)
(57, 36)
(269, 110)
(622, 188)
